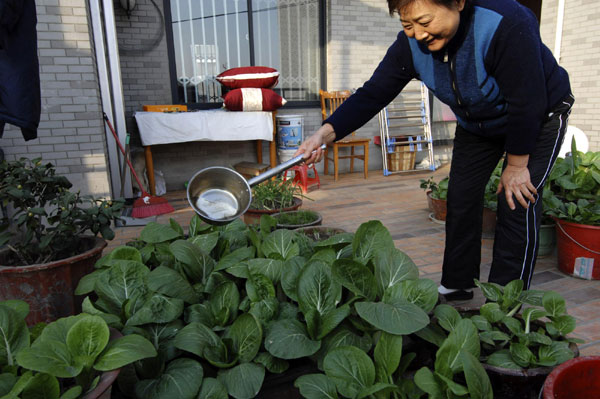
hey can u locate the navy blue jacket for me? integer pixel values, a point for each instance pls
(495, 74)
(19, 68)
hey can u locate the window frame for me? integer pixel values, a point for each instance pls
(290, 104)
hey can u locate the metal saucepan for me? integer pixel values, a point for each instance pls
(220, 195)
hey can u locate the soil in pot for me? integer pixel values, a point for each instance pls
(296, 219)
(320, 233)
(49, 288)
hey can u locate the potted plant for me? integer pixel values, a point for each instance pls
(273, 196)
(437, 193)
(45, 249)
(576, 211)
(296, 219)
(72, 357)
(576, 378)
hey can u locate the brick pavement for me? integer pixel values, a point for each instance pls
(401, 206)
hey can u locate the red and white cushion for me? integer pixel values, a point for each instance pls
(252, 76)
(253, 99)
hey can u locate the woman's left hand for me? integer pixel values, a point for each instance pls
(515, 180)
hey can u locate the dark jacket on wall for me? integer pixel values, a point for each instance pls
(20, 100)
(496, 75)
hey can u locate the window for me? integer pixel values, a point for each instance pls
(208, 37)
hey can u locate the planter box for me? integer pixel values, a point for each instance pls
(252, 216)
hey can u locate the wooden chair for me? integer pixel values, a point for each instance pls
(330, 101)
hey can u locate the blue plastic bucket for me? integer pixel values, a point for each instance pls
(289, 131)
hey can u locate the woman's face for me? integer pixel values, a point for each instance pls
(430, 23)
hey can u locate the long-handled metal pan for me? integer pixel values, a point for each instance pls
(220, 195)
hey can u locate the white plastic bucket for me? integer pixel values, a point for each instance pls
(289, 131)
(286, 155)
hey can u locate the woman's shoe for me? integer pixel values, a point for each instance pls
(455, 294)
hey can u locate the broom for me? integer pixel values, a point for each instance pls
(146, 205)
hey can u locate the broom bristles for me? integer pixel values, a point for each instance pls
(150, 206)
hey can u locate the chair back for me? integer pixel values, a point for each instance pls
(331, 100)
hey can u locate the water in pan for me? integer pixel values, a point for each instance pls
(217, 204)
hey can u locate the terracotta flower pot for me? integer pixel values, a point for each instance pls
(438, 207)
(252, 216)
(575, 378)
(49, 288)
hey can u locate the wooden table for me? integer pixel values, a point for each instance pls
(214, 125)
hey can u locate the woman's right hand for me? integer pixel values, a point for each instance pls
(324, 135)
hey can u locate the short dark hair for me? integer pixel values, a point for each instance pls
(395, 5)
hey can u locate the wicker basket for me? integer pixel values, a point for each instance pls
(401, 159)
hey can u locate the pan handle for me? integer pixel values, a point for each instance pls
(279, 168)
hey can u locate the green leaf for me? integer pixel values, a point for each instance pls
(122, 281)
(447, 316)
(521, 354)
(123, 351)
(512, 292)
(87, 339)
(19, 306)
(387, 354)
(7, 381)
(213, 389)
(246, 335)
(425, 380)
(379, 388)
(269, 267)
(554, 304)
(14, 334)
(489, 337)
(41, 386)
(481, 323)
(432, 333)
(503, 359)
(264, 310)
(564, 324)
(514, 325)
(244, 380)
(51, 357)
(19, 386)
(454, 387)
(371, 238)
(393, 266)
(235, 257)
(123, 252)
(401, 317)
(88, 282)
(478, 381)
(492, 312)
(289, 277)
(463, 337)
(221, 356)
(559, 351)
(167, 281)
(157, 309)
(342, 337)
(200, 313)
(532, 297)
(271, 363)
(195, 337)
(225, 300)
(316, 288)
(331, 320)
(154, 233)
(72, 393)
(356, 277)
(491, 291)
(422, 293)
(316, 386)
(206, 242)
(280, 242)
(350, 369)
(181, 379)
(197, 265)
(288, 339)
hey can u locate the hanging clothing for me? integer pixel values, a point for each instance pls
(20, 98)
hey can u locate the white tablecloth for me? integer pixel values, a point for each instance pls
(211, 125)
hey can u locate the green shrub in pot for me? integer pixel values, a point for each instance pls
(47, 221)
(439, 190)
(273, 194)
(239, 303)
(575, 188)
(62, 359)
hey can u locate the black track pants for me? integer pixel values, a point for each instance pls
(516, 238)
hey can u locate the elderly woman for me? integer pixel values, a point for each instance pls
(485, 59)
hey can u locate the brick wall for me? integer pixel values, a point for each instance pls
(70, 135)
(580, 51)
